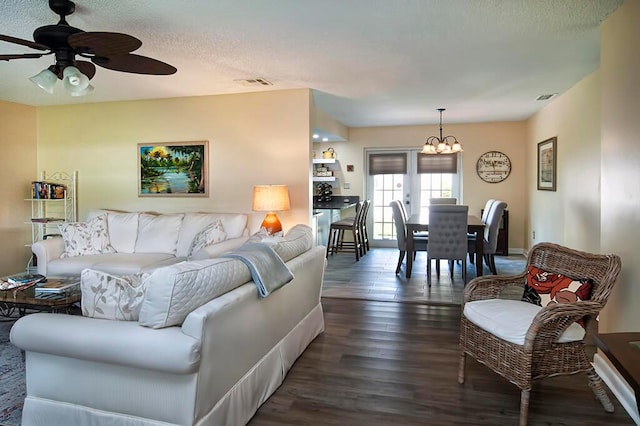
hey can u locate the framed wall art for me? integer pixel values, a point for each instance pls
(547, 167)
(173, 169)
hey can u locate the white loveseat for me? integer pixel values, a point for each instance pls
(214, 368)
(142, 242)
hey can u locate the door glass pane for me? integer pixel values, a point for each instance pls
(386, 189)
(434, 185)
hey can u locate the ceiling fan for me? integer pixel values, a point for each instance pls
(105, 49)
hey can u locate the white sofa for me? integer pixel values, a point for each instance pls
(142, 242)
(215, 368)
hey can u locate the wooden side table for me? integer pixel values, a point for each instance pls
(623, 350)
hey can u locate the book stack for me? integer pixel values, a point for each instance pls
(58, 285)
(25, 278)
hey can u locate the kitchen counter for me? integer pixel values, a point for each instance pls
(328, 212)
(338, 202)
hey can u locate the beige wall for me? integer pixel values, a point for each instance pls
(17, 171)
(620, 82)
(570, 215)
(507, 137)
(254, 138)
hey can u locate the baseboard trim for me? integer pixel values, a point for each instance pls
(618, 386)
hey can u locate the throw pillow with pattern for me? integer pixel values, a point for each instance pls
(543, 288)
(112, 297)
(86, 238)
(214, 233)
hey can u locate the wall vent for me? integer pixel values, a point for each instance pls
(256, 82)
(546, 97)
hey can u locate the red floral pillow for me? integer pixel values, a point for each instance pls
(543, 288)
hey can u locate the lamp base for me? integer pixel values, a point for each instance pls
(271, 223)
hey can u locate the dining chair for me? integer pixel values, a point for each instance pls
(399, 219)
(433, 201)
(490, 240)
(336, 242)
(363, 226)
(447, 237)
(538, 337)
(487, 209)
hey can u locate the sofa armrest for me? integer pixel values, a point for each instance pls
(215, 250)
(46, 251)
(114, 342)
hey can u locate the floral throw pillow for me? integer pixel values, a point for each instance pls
(214, 233)
(543, 288)
(86, 238)
(111, 297)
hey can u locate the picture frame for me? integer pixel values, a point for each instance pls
(173, 169)
(547, 164)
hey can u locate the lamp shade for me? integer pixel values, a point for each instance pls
(271, 198)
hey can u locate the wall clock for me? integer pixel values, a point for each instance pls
(493, 166)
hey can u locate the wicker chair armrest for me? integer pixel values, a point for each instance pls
(490, 286)
(552, 320)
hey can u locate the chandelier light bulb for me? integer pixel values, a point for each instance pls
(74, 80)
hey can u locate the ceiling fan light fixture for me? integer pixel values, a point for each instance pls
(81, 92)
(74, 80)
(45, 79)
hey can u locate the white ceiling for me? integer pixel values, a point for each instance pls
(369, 62)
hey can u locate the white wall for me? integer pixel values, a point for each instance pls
(254, 138)
(17, 171)
(570, 215)
(620, 81)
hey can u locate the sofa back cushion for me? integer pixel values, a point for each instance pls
(298, 240)
(234, 224)
(122, 228)
(158, 233)
(174, 291)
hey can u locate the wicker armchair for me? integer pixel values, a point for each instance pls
(541, 355)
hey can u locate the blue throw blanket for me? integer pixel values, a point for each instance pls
(268, 271)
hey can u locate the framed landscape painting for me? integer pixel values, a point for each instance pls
(173, 169)
(547, 165)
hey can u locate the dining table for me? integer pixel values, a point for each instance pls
(420, 222)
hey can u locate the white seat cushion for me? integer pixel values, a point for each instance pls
(510, 319)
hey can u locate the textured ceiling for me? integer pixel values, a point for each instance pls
(369, 62)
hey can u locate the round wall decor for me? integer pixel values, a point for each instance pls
(493, 166)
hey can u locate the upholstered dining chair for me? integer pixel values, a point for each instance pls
(490, 240)
(486, 210)
(447, 237)
(524, 342)
(399, 219)
(435, 200)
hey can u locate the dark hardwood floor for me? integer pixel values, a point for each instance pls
(394, 363)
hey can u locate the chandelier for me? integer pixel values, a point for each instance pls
(441, 145)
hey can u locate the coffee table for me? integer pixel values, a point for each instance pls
(23, 300)
(623, 350)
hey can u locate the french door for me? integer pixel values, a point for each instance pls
(401, 175)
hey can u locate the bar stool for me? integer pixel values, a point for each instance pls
(363, 226)
(336, 243)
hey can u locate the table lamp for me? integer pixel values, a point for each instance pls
(271, 198)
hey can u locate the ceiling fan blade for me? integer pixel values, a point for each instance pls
(103, 43)
(21, 56)
(135, 64)
(86, 68)
(23, 42)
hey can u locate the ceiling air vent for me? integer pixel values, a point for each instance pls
(546, 97)
(256, 82)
